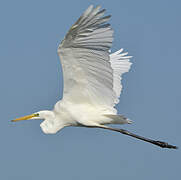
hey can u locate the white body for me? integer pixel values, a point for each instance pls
(67, 113)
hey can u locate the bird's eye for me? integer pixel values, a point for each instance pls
(37, 115)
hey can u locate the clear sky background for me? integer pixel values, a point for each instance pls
(31, 80)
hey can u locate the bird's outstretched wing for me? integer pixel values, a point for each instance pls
(88, 76)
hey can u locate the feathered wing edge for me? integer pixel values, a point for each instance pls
(90, 31)
(120, 64)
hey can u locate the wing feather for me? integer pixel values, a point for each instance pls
(91, 75)
(120, 64)
(84, 55)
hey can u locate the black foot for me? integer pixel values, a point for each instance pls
(165, 145)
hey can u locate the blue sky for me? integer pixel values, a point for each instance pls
(31, 80)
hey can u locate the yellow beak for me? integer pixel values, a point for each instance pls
(25, 117)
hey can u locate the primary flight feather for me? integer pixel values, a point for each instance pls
(92, 79)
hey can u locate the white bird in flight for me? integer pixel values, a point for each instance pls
(92, 79)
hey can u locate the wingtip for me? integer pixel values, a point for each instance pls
(98, 6)
(90, 6)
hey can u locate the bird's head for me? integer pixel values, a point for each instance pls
(38, 115)
(49, 126)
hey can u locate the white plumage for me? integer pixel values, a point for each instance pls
(120, 64)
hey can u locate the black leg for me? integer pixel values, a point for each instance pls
(158, 143)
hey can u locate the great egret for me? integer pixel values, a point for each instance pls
(92, 79)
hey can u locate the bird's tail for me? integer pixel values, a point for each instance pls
(117, 119)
